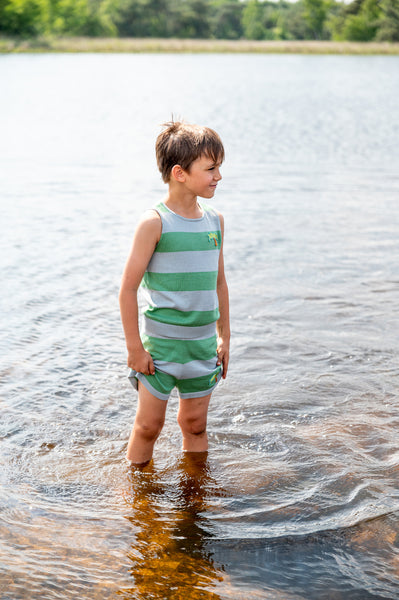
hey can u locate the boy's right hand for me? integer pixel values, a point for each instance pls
(141, 361)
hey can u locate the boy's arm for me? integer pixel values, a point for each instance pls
(223, 323)
(145, 239)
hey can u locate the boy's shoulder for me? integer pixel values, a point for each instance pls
(150, 215)
(149, 223)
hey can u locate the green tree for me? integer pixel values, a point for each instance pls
(23, 17)
(315, 14)
(252, 17)
(363, 26)
(68, 16)
(226, 19)
(193, 19)
(164, 18)
(294, 24)
(142, 18)
(275, 20)
(102, 22)
(388, 29)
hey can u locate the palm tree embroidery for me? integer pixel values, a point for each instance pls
(214, 237)
(213, 379)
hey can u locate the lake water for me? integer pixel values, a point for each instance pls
(298, 497)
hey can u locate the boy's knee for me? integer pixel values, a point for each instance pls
(149, 430)
(198, 430)
(194, 425)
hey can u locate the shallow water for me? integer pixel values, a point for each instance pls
(298, 497)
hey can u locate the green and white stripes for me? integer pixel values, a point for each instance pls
(179, 292)
(179, 286)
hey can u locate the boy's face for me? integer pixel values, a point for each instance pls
(203, 176)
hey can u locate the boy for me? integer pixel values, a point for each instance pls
(177, 257)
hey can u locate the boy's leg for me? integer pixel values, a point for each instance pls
(192, 417)
(150, 417)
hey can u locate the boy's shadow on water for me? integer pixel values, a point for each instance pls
(169, 555)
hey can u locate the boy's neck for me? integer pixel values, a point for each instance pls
(184, 205)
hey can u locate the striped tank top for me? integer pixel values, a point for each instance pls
(179, 292)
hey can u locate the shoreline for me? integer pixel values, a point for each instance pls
(157, 45)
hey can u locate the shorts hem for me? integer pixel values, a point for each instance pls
(135, 377)
(151, 389)
(201, 393)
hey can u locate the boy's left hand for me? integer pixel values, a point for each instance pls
(223, 353)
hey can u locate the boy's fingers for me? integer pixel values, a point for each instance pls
(223, 359)
(225, 366)
(151, 368)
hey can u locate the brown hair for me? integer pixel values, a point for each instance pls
(181, 144)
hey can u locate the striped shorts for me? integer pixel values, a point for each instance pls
(191, 367)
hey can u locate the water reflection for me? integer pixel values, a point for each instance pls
(169, 555)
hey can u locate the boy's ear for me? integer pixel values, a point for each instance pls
(178, 174)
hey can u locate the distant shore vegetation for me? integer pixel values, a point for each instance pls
(245, 20)
(178, 45)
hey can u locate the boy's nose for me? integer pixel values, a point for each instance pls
(218, 176)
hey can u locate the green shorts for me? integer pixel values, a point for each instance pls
(162, 383)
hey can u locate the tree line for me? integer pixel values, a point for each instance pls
(359, 20)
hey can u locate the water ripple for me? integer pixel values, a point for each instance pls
(298, 497)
